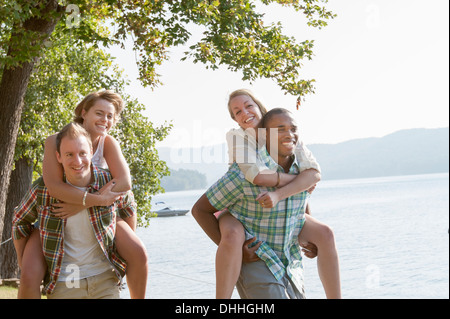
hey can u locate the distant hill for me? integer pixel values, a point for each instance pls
(406, 152)
(183, 179)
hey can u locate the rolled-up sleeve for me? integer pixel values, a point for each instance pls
(306, 158)
(127, 206)
(226, 191)
(25, 214)
(243, 150)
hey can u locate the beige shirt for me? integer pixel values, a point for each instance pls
(243, 149)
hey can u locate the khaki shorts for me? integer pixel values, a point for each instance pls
(257, 282)
(102, 286)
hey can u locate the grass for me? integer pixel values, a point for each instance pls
(8, 292)
(11, 293)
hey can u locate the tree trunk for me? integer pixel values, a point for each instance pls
(12, 91)
(21, 178)
(13, 86)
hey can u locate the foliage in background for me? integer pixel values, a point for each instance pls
(235, 34)
(138, 137)
(184, 179)
(67, 72)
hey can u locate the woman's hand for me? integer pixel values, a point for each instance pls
(268, 199)
(312, 188)
(108, 196)
(64, 210)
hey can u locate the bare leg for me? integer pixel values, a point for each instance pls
(131, 248)
(229, 255)
(327, 257)
(33, 268)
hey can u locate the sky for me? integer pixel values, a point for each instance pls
(380, 67)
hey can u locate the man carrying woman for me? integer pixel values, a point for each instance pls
(80, 254)
(275, 187)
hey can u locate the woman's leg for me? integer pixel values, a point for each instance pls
(33, 268)
(229, 255)
(131, 248)
(322, 236)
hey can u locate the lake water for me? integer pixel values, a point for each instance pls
(391, 233)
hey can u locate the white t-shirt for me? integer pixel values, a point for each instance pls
(83, 256)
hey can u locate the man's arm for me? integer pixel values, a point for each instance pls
(223, 194)
(25, 214)
(203, 213)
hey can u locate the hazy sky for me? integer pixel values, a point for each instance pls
(380, 66)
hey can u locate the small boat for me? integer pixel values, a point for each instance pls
(167, 211)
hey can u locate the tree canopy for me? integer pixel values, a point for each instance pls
(65, 74)
(235, 34)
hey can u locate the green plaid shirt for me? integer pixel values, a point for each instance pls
(278, 228)
(36, 206)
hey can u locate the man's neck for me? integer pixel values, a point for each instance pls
(85, 182)
(285, 162)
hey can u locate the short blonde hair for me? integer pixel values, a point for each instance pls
(93, 97)
(247, 93)
(72, 130)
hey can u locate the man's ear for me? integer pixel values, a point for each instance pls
(83, 111)
(58, 157)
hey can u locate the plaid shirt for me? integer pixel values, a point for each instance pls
(278, 227)
(36, 206)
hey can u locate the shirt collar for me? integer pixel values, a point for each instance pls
(95, 183)
(271, 164)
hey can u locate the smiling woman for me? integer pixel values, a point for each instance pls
(98, 112)
(248, 112)
(245, 108)
(100, 118)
